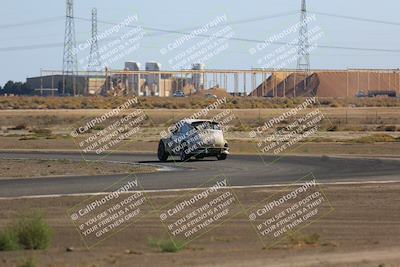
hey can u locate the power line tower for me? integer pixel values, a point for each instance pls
(94, 57)
(70, 62)
(303, 54)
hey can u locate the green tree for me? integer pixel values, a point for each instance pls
(16, 88)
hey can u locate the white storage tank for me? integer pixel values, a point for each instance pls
(197, 79)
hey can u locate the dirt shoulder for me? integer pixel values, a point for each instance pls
(19, 168)
(361, 231)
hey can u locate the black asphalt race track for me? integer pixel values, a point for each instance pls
(242, 170)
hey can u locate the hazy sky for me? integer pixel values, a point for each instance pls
(19, 60)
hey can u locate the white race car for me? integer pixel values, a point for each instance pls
(194, 138)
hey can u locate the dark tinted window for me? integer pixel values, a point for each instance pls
(206, 125)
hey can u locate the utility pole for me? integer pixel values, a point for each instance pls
(94, 57)
(70, 63)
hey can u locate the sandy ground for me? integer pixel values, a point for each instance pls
(10, 168)
(363, 230)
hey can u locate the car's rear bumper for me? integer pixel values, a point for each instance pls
(211, 151)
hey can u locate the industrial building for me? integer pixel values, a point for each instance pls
(68, 85)
(256, 82)
(131, 81)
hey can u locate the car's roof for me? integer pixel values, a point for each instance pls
(190, 121)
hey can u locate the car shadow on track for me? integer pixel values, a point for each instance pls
(178, 161)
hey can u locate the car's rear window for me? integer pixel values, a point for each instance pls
(206, 125)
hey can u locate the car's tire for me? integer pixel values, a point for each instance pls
(222, 156)
(161, 153)
(183, 155)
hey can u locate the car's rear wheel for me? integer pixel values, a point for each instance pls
(183, 155)
(161, 153)
(222, 156)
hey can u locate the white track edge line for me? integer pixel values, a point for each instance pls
(194, 189)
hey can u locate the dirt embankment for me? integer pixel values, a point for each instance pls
(17, 168)
(362, 230)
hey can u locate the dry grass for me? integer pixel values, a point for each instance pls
(182, 103)
(336, 119)
(341, 128)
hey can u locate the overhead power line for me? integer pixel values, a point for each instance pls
(260, 41)
(365, 49)
(184, 32)
(165, 31)
(265, 17)
(355, 18)
(159, 31)
(31, 47)
(29, 23)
